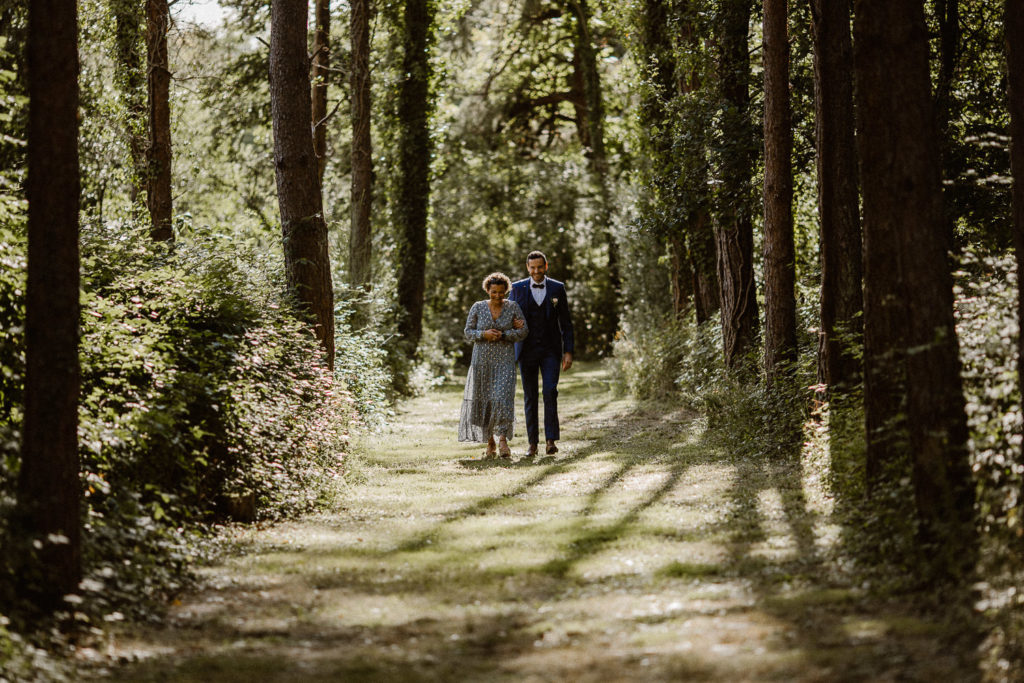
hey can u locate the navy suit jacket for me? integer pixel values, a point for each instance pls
(555, 330)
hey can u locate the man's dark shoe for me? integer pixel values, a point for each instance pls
(533, 451)
(551, 447)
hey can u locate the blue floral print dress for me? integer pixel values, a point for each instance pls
(488, 402)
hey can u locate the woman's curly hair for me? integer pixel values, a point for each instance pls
(497, 279)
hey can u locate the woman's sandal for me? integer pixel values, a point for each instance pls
(504, 450)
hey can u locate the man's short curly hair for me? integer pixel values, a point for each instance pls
(497, 279)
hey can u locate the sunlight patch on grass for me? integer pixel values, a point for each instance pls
(874, 628)
(690, 570)
(702, 484)
(637, 553)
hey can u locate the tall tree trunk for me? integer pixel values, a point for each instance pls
(779, 251)
(691, 240)
(699, 229)
(307, 263)
(909, 312)
(734, 230)
(658, 63)
(49, 491)
(158, 177)
(415, 150)
(947, 13)
(1014, 27)
(598, 163)
(683, 279)
(838, 209)
(706, 290)
(321, 72)
(132, 81)
(361, 236)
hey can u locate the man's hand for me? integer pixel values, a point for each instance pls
(492, 334)
(566, 360)
(518, 323)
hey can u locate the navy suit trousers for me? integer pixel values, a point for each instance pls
(549, 366)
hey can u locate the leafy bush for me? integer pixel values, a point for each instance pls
(673, 359)
(986, 306)
(203, 398)
(361, 362)
(199, 385)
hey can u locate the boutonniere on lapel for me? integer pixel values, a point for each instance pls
(554, 301)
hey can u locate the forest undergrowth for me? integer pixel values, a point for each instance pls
(204, 401)
(644, 548)
(679, 360)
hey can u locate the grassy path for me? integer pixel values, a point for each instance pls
(638, 552)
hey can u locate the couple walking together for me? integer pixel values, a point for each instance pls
(532, 327)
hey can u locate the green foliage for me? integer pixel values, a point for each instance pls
(975, 159)
(986, 303)
(191, 360)
(12, 337)
(360, 362)
(670, 360)
(203, 399)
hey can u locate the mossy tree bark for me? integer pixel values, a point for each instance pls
(415, 149)
(779, 251)
(699, 229)
(690, 240)
(734, 230)
(361, 235)
(320, 75)
(158, 175)
(131, 79)
(842, 302)
(947, 16)
(1014, 27)
(587, 60)
(49, 492)
(911, 349)
(307, 263)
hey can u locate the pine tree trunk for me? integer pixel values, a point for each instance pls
(307, 263)
(947, 14)
(321, 72)
(49, 491)
(361, 236)
(702, 260)
(779, 251)
(658, 62)
(599, 166)
(415, 150)
(734, 230)
(909, 308)
(838, 202)
(132, 81)
(1014, 27)
(691, 241)
(158, 176)
(699, 229)
(683, 279)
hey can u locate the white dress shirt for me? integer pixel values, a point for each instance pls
(538, 292)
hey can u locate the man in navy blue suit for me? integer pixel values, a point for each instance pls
(547, 349)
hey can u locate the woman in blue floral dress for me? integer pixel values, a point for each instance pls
(494, 326)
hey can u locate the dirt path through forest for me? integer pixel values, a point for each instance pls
(639, 552)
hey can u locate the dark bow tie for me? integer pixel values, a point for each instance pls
(536, 286)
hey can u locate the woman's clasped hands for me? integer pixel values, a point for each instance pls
(494, 334)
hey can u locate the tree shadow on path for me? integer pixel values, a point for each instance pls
(845, 632)
(532, 582)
